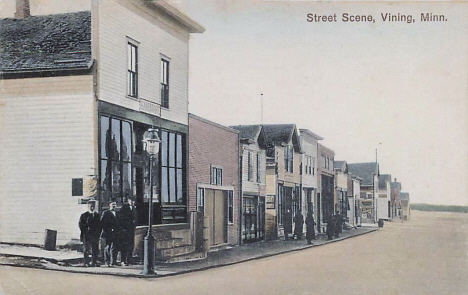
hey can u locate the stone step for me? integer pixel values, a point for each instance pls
(164, 254)
(169, 243)
(186, 257)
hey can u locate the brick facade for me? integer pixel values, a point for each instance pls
(211, 144)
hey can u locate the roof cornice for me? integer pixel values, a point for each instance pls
(172, 12)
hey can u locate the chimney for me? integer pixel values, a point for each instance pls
(22, 9)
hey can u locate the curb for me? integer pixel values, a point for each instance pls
(177, 272)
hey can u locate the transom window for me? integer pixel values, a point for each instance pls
(132, 70)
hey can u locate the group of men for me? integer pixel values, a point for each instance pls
(335, 225)
(115, 229)
(299, 226)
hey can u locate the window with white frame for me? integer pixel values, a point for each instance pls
(132, 70)
(200, 199)
(288, 158)
(164, 83)
(216, 175)
(230, 214)
(249, 166)
(259, 168)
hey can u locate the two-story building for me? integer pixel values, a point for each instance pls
(369, 173)
(253, 177)
(383, 201)
(309, 174)
(326, 178)
(341, 176)
(354, 197)
(79, 88)
(283, 179)
(395, 198)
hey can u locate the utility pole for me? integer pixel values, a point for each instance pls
(261, 108)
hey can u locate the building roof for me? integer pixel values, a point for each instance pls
(365, 171)
(310, 133)
(250, 134)
(404, 196)
(340, 165)
(395, 185)
(281, 134)
(47, 43)
(383, 179)
(213, 123)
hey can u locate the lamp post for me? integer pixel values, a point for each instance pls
(151, 144)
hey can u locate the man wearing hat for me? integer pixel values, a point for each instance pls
(90, 226)
(109, 233)
(127, 222)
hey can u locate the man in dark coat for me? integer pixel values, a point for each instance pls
(331, 227)
(90, 226)
(127, 224)
(109, 224)
(287, 224)
(298, 225)
(310, 227)
(337, 225)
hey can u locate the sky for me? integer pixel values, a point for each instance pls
(398, 87)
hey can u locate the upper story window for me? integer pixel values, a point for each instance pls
(258, 168)
(288, 158)
(216, 175)
(309, 165)
(313, 165)
(132, 70)
(323, 161)
(249, 167)
(164, 83)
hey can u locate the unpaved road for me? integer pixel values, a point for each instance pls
(426, 255)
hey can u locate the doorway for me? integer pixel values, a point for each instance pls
(215, 213)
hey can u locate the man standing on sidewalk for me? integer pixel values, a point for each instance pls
(127, 222)
(90, 226)
(109, 234)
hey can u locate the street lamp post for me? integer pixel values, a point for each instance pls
(151, 143)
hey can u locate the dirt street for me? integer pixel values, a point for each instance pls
(426, 255)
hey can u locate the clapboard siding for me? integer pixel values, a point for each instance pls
(119, 21)
(253, 186)
(47, 138)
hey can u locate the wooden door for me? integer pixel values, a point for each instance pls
(219, 220)
(209, 207)
(215, 213)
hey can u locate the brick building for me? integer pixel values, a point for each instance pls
(214, 181)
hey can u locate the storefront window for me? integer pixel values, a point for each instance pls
(115, 159)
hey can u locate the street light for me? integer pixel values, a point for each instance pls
(151, 143)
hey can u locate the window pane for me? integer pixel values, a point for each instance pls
(134, 58)
(105, 135)
(116, 177)
(179, 151)
(129, 56)
(172, 150)
(126, 142)
(219, 176)
(164, 148)
(164, 186)
(180, 192)
(105, 181)
(115, 140)
(127, 179)
(172, 185)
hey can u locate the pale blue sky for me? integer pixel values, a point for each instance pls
(356, 84)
